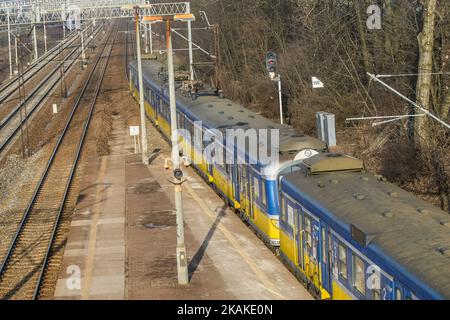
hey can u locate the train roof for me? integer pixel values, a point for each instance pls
(224, 114)
(402, 228)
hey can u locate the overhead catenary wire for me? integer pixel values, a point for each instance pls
(425, 111)
(411, 74)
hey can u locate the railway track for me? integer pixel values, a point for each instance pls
(28, 262)
(11, 123)
(9, 88)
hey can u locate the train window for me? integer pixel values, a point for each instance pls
(256, 187)
(342, 263)
(263, 193)
(190, 128)
(290, 212)
(398, 294)
(180, 120)
(376, 294)
(308, 232)
(359, 279)
(283, 209)
(166, 111)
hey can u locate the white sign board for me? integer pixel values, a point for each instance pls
(134, 131)
(316, 83)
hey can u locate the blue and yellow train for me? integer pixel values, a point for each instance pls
(253, 195)
(345, 233)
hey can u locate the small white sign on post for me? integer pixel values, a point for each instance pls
(134, 132)
(316, 83)
(55, 108)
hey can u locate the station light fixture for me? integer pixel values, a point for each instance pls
(188, 17)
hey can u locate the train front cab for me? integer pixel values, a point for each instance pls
(244, 188)
(256, 197)
(332, 265)
(239, 183)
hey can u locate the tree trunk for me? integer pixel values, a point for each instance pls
(445, 59)
(362, 37)
(425, 67)
(388, 48)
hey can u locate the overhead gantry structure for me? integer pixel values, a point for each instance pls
(34, 13)
(28, 12)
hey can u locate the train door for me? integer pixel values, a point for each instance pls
(400, 292)
(158, 108)
(254, 184)
(311, 240)
(243, 183)
(299, 240)
(325, 252)
(236, 183)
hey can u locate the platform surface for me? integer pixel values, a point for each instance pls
(123, 236)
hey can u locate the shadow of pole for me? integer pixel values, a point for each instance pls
(198, 256)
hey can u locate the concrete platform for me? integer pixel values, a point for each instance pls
(123, 237)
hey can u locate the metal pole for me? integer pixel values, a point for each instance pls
(9, 48)
(83, 56)
(191, 54)
(64, 21)
(145, 159)
(45, 36)
(62, 73)
(145, 38)
(182, 267)
(36, 53)
(280, 99)
(17, 53)
(151, 38)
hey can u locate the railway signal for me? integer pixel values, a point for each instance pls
(271, 66)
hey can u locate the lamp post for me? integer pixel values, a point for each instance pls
(191, 54)
(182, 263)
(145, 159)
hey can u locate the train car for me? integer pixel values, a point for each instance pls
(250, 187)
(351, 235)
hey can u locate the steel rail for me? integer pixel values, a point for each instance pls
(8, 140)
(42, 180)
(6, 119)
